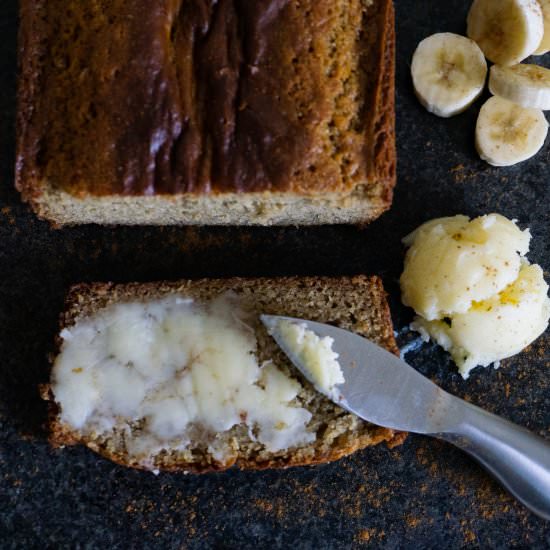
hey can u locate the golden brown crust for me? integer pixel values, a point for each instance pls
(31, 29)
(357, 147)
(83, 300)
(61, 436)
(383, 128)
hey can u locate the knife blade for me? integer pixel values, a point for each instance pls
(382, 389)
(379, 387)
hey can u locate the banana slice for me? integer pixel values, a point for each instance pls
(545, 44)
(448, 73)
(526, 85)
(507, 31)
(507, 133)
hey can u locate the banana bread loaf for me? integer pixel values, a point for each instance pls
(206, 112)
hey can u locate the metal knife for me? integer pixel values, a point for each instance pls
(382, 389)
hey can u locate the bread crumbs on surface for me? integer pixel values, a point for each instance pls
(264, 505)
(469, 536)
(460, 174)
(365, 534)
(6, 211)
(368, 535)
(412, 521)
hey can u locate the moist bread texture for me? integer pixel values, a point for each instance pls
(355, 303)
(201, 112)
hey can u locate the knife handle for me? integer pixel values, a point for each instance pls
(519, 459)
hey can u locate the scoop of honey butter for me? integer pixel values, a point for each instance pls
(473, 289)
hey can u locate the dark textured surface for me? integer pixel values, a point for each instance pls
(424, 494)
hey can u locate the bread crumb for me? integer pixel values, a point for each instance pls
(469, 536)
(365, 534)
(6, 211)
(412, 521)
(368, 535)
(264, 505)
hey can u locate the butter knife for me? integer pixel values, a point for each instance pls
(384, 390)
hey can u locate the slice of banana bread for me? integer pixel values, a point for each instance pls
(356, 303)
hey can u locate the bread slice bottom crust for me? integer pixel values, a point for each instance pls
(354, 303)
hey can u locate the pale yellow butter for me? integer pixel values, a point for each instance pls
(452, 262)
(315, 355)
(473, 289)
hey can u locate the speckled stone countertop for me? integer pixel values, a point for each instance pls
(424, 494)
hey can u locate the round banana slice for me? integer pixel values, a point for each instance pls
(507, 31)
(526, 85)
(448, 73)
(545, 44)
(507, 133)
